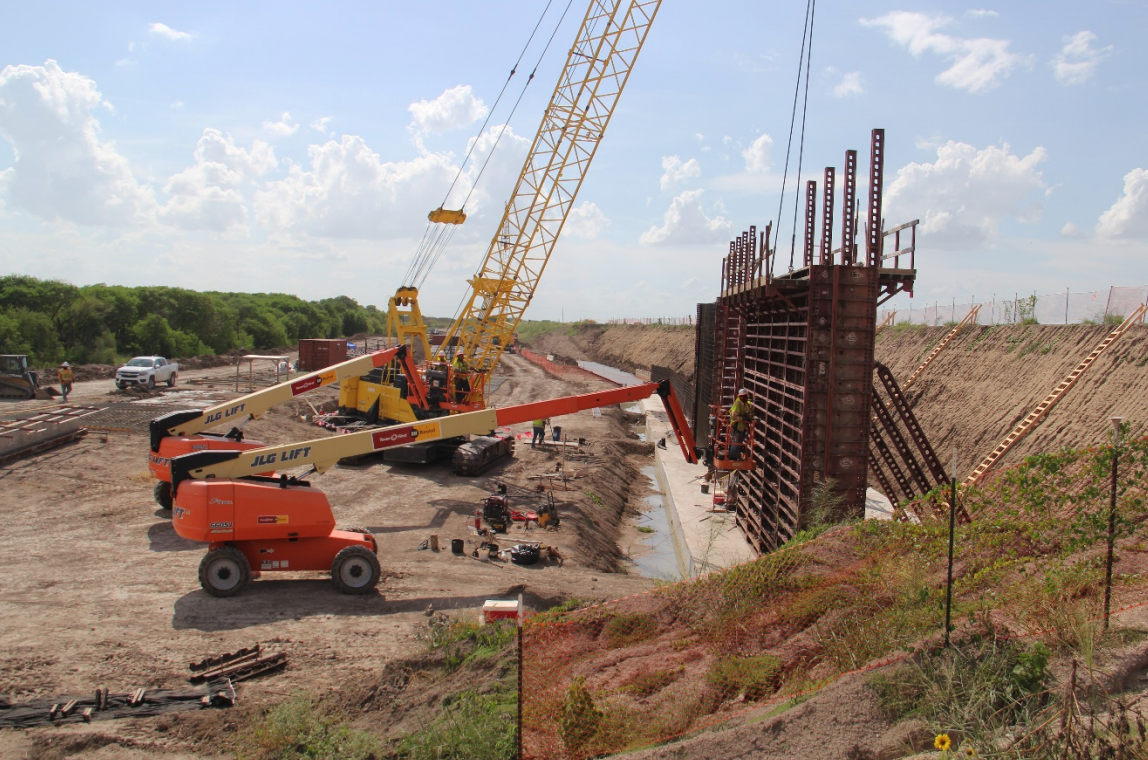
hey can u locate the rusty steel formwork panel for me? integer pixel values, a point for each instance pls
(704, 365)
(803, 344)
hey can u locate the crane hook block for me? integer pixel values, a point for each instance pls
(447, 216)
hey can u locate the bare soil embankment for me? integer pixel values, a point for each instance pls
(984, 382)
(989, 378)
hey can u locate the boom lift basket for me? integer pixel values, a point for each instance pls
(722, 441)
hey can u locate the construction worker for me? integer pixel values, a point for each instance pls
(539, 432)
(461, 380)
(740, 421)
(66, 377)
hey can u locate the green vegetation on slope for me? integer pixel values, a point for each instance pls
(52, 320)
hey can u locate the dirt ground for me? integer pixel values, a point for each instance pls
(97, 590)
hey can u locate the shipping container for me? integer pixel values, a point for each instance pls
(317, 353)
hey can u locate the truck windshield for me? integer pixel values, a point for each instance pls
(140, 363)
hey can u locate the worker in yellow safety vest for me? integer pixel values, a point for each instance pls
(740, 421)
(461, 379)
(539, 432)
(66, 377)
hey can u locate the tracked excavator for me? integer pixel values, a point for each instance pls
(256, 523)
(182, 432)
(597, 68)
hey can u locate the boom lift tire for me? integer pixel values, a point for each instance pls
(224, 571)
(355, 570)
(162, 493)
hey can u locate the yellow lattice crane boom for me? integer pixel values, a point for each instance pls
(597, 68)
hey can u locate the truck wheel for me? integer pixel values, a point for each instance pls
(120, 385)
(224, 571)
(150, 382)
(171, 381)
(162, 493)
(355, 570)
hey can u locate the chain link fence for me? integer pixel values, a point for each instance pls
(1109, 306)
(688, 656)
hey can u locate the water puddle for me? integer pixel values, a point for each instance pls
(612, 374)
(660, 561)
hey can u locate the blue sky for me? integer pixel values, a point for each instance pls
(295, 148)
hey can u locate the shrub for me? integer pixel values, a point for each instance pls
(580, 717)
(299, 728)
(755, 677)
(624, 630)
(470, 727)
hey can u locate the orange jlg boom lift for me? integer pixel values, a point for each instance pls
(264, 523)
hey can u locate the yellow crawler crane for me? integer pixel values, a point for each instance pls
(596, 71)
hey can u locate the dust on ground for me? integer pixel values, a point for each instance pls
(98, 590)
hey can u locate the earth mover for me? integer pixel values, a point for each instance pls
(256, 523)
(16, 380)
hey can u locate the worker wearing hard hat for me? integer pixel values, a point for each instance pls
(65, 377)
(740, 421)
(461, 378)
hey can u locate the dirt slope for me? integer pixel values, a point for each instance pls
(989, 378)
(970, 397)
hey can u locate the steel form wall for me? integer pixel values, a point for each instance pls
(803, 344)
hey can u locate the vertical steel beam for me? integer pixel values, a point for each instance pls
(827, 212)
(810, 221)
(849, 209)
(876, 179)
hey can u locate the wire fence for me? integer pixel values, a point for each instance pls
(690, 320)
(1090, 307)
(688, 656)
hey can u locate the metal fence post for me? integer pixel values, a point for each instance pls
(1111, 520)
(952, 529)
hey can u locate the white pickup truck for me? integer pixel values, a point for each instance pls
(148, 371)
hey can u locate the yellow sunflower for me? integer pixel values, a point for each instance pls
(943, 742)
(969, 752)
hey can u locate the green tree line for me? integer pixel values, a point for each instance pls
(53, 321)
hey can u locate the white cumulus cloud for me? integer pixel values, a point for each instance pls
(62, 169)
(687, 221)
(585, 221)
(320, 125)
(976, 64)
(454, 108)
(1077, 60)
(165, 31)
(850, 84)
(282, 128)
(675, 170)
(1128, 217)
(963, 197)
(348, 191)
(758, 156)
(207, 195)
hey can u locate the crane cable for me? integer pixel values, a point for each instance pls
(806, 36)
(431, 235)
(435, 238)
